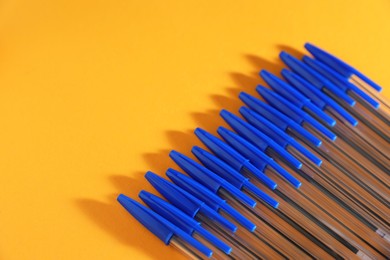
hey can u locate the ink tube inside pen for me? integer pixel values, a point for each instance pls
(324, 178)
(384, 108)
(355, 190)
(268, 234)
(287, 228)
(370, 127)
(299, 117)
(346, 126)
(311, 229)
(315, 190)
(361, 199)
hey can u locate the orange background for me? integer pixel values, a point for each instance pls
(94, 93)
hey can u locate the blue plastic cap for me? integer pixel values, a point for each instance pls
(158, 225)
(182, 200)
(208, 197)
(240, 125)
(277, 118)
(265, 126)
(208, 178)
(235, 178)
(244, 147)
(339, 65)
(186, 202)
(256, 137)
(318, 97)
(295, 81)
(294, 96)
(339, 81)
(271, 130)
(219, 167)
(313, 77)
(195, 170)
(195, 188)
(283, 89)
(181, 220)
(169, 212)
(293, 112)
(255, 156)
(222, 150)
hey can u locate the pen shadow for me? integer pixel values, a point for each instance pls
(114, 220)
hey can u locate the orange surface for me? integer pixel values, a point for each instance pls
(94, 93)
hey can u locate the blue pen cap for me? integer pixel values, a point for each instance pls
(208, 178)
(293, 112)
(158, 225)
(186, 202)
(313, 77)
(189, 204)
(315, 95)
(181, 220)
(235, 178)
(221, 149)
(195, 170)
(219, 167)
(256, 137)
(282, 88)
(296, 81)
(169, 212)
(294, 96)
(282, 138)
(339, 81)
(254, 154)
(339, 65)
(277, 118)
(265, 126)
(195, 188)
(245, 148)
(208, 197)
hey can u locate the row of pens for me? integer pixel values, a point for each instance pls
(304, 174)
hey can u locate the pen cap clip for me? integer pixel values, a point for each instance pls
(238, 180)
(195, 188)
(178, 197)
(295, 97)
(181, 220)
(277, 118)
(281, 137)
(222, 150)
(169, 212)
(147, 218)
(298, 83)
(283, 89)
(339, 65)
(240, 126)
(208, 178)
(196, 171)
(265, 126)
(185, 201)
(293, 112)
(339, 81)
(318, 97)
(247, 149)
(219, 167)
(158, 225)
(313, 77)
(257, 137)
(208, 197)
